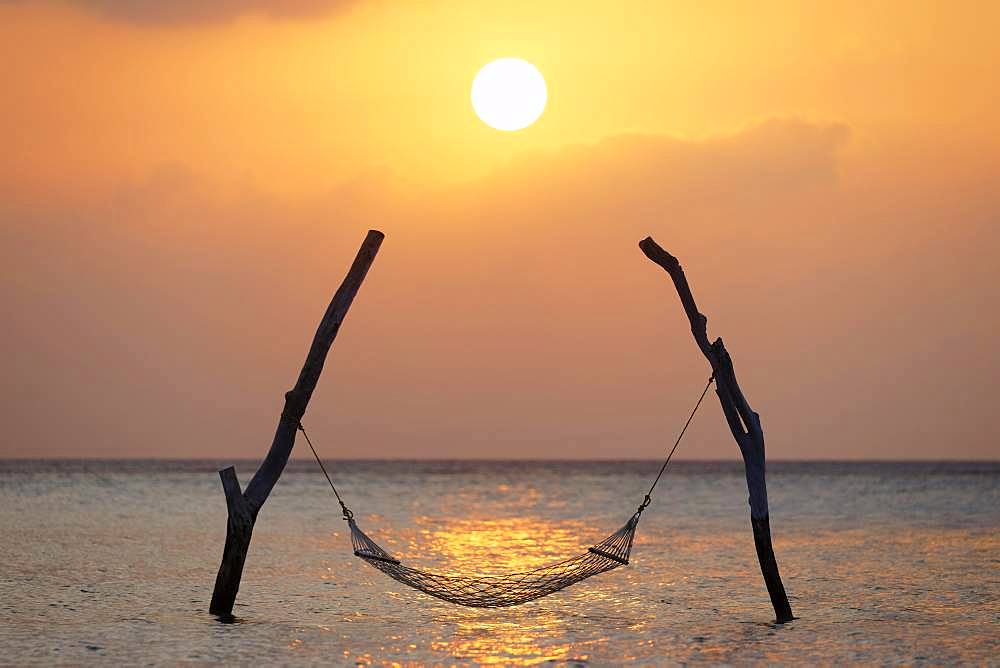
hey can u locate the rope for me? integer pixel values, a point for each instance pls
(348, 515)
(646, 500)
(347, 511)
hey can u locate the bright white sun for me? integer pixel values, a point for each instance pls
(509, 94)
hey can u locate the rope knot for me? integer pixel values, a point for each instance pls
(645, 503)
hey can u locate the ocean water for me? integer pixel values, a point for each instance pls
(114, 562)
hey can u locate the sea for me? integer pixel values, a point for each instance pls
(113, 562)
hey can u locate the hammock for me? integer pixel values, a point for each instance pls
(500, 591)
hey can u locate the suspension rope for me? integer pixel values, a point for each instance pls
(347, 511)
(646, 500)
(348, 515)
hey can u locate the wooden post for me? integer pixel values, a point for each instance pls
(244, 506)
(743, 422)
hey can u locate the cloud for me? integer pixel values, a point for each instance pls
(512, 315)
(183, 12)
(777, 155)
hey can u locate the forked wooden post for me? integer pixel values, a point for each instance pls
(244, 506)
(743, 421)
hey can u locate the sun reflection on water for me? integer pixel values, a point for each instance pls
(496, 546)
(530, 634)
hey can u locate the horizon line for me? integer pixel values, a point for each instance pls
(925, 460)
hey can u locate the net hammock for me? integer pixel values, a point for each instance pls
(500, 591)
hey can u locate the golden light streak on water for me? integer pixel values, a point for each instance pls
(501, 546)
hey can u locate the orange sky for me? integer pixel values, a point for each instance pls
(183, 187)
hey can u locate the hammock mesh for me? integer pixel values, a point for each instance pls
(499, 591)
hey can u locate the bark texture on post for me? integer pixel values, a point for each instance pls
(244, 506)
(744, 423)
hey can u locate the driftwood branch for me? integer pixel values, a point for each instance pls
(244, 506)
(743, 421)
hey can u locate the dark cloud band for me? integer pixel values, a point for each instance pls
(186, 12)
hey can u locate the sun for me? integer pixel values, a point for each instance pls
(509, 94)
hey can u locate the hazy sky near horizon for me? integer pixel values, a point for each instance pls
(183, 186)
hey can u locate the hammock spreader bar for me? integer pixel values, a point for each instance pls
(498, 591)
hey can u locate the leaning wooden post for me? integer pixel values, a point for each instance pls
(244, 506)
(743, 421)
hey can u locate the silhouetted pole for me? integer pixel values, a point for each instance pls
(244, 506)
(744, 423)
